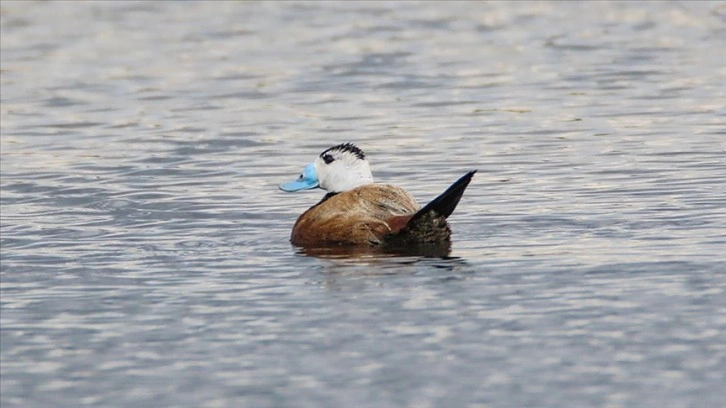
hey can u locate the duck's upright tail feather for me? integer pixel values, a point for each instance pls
(445, 204)
(429, 223)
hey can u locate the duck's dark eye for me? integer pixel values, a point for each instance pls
(300, 178)
(328, 158)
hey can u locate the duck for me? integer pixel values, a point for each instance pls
(356, 211)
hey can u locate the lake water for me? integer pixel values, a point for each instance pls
(145, 246)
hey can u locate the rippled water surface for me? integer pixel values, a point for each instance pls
(145, 253)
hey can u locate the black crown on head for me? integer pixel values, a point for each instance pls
(327, 155)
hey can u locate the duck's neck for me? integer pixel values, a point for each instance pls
(325, 198)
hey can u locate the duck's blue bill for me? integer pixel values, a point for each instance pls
(307, 180)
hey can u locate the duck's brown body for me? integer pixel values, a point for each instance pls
(378, 215)
(366, 215)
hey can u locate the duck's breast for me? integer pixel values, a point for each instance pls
(362, 216)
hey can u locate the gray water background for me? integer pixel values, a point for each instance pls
(145, 255)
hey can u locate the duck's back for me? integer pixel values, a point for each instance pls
(363, 216)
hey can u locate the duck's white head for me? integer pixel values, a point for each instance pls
(339, 168)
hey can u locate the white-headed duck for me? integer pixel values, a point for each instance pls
(357, 211)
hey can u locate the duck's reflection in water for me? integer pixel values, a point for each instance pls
(361, 261)
(437, 250)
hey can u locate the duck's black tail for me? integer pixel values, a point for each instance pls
(446, 202)
(429, 224)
